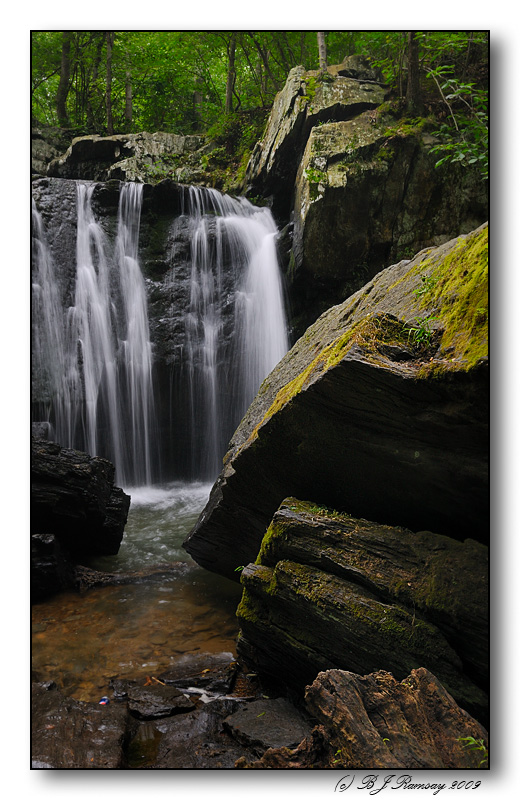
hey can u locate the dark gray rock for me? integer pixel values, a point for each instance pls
(73, 497)
(192, 741)
(51, 570)
(213, 673)
(151, 701)
(262, 724)
(69, 734)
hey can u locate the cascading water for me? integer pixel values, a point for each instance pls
(235, 330)
(137, 387)
(91, 343)
(93, 358)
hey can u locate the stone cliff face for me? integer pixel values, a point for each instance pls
(380, 410)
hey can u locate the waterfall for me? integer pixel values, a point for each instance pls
(92, 348)
(94, 368)
(235, 329)
(137, 389)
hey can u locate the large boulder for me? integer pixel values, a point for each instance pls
(367, 193)
(329, 590)
(307, 99)
(380, 410)
(73, 498)
(128, 157)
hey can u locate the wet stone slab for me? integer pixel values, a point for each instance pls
(151, 701)
(192, 741)
(262, 724)
(70, 734)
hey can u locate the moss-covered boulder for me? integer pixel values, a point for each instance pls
(328, 590)
(381, 409)
(367, 193)
(307, 99)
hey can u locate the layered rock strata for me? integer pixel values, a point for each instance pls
(331, 591)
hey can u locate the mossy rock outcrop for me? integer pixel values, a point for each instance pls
(329, 590)
(130, 157)
(366, 194)
(354, 184)
(381, 410)
(308, 98)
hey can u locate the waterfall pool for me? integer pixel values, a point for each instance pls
(80, 641)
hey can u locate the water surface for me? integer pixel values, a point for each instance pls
(82, 640)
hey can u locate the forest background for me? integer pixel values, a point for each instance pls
(223, 83)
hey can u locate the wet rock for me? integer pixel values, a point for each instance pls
(296, 620)
(433, 578)
(87, 578)
(152, 701)
(73, 497)
(51, 570)
(193, 741)
(207, 673)
(69, 734)
(376, 722)
(262, 724)
(312, 753)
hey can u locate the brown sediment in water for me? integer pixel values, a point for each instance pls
(81, 641)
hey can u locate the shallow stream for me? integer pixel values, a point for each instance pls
(80, 641)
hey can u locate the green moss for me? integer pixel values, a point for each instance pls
(407, 127)
(367, 332)
(462, 292)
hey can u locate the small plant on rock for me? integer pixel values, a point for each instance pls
(421, 331)
(470, 743)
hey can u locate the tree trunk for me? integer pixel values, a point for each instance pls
(197, 102)
(63, 86)
(110, 43)
(91, 116)
(322, 51)
(413, 85)
(231, 75)
(128, 99)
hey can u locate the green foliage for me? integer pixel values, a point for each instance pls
(421, 331)
(465, 136)
(427, 284)
(177, 82)
(470, 743)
